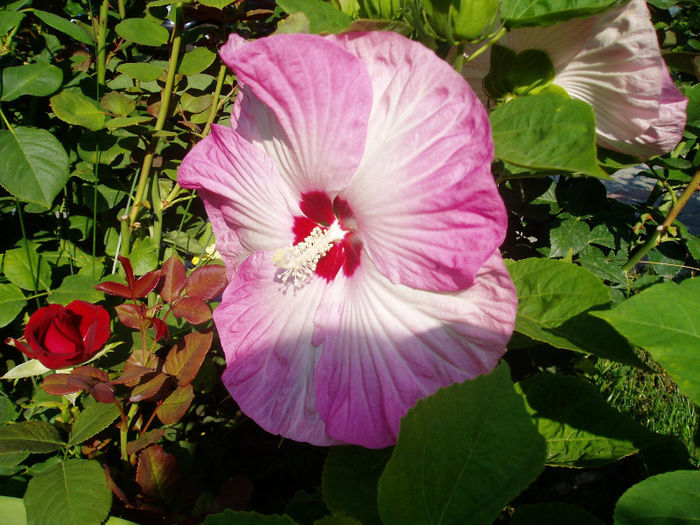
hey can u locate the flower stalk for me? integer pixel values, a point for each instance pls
(661, 229)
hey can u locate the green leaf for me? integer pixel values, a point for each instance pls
(144, 71)
(547, 131)
(337, 519)
(30, 436)
(219, 4)
(33, 165)
(323, 18)
(196, 61)
(350, 478)
(581, 429)
(551, 292)
(142, 31)
(663, 319)
(73, 492)
(30, 79)
(64, 26)
(552, 514)
(12, 511)
(78, 286)
(77, 109)
(92, 420)
(693, 109)
(144, 255)
(118, 104)
(462, 455)
(12, 301)
(30, 368)
(246, 518)
(29, 273)
(8, 20)
(570, 237)
(8, 412)
(545, 12)
(665, 499)
(123, 122)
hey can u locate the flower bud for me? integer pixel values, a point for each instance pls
(384, 9)
(460, 20)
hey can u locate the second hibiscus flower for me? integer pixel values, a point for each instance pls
(353, 204)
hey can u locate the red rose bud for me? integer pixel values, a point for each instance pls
(61, 336)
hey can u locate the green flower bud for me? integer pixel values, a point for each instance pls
(349, 7)
(384, 9)
(460, 20)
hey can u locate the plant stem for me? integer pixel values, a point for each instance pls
(102, 46)
(661, 229)
(162, 115)
(122, 11)
(215, 102)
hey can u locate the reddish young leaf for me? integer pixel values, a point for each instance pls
(146, 283)
(142, 357)
(92, 373)
(149, 389)
(160, 328)
(128, 270)
(103, 392)
(131, 315)
(119, 493)
(173, 272)
(186, 357)
(194, 310)
(132, 374)
(206, 282)
(60, 385)
(157, 474)
(175, 405)
(115, 288)
(144, 440)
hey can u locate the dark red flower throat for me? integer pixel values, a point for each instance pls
(319, 210)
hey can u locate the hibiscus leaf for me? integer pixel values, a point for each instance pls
(666, 498)
(581, 429)
(668, 334)
(323, 18)
(547, 131)
(350, 478)
(545, 12)
(456, 460)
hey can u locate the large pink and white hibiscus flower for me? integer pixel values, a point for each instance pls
(354, 207)
(613, 62)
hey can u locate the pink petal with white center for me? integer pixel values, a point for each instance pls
(385, 346)
(271, 363)
(250, 205)
(426, 204)
(666, 132)
(305, 101)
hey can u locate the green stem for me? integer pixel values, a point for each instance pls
(26, 251)
(215, 102)
(102, 46)
(162, 115)
(122, 11)
(661, 229)
(487, 45)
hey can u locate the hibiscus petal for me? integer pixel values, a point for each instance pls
(667, 130)
(306, 101)
(385, 346)
(424, 198)
(619, 72)
(266, 336)
(250, 205)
